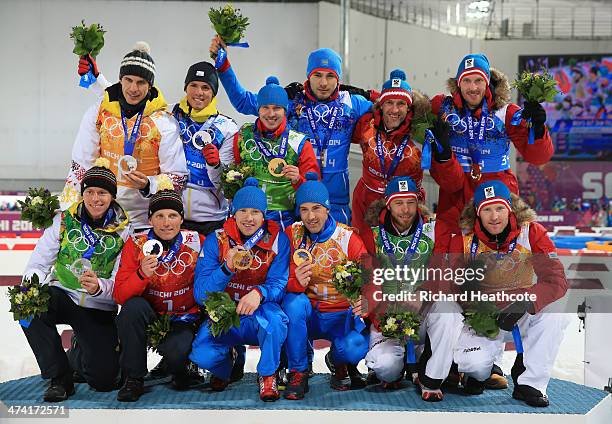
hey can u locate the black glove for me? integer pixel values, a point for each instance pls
(356, 90)
(512, 313)
(536, 112)
(293, 89)
(441, 131)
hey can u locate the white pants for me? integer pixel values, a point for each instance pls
(442, 322)
(541, 333)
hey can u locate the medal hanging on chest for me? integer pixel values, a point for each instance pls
(243, 259)
(475, 143)
(128, 163)
(303, 254)
(277, 162)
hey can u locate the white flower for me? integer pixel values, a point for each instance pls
(338, 276)
(391, 321)
(345, 274)
(37, 201)
(33, 291)
(233, 176)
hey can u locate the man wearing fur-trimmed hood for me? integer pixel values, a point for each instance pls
(500, 230)
(481, 124)
(385, 139)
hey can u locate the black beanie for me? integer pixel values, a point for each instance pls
(138, 62)
(100, 176)
(204, 72)
(166, 199)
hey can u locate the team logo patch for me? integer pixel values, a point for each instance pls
(489, 192)
(469, 63)
(403, 186)
(324, 62)
(200, 73)
(396, 82)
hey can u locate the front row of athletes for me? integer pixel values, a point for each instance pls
(281, 303)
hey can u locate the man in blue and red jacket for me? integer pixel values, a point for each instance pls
(257, 290)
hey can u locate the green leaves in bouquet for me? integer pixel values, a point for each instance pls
(233, 177)
(420, 124)
(536, 87)
(401, 325)
(87, 39)
(221, 310)
(39, 207)
(348, 278)
(157, 331)
(482, 317)
(228, 23)
(30, 299)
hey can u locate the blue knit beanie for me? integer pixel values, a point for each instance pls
(491, 192)
(272, 94)
(396, 88)
(312, 190)
(250, 196)
(474, 64)
(401, 187)
(326, 60)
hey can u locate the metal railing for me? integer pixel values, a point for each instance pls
(499, 21)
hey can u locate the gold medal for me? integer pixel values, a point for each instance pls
(301, 255)
(242, 260)
(275, 166)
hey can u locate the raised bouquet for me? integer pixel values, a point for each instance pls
(401, 325)
(39, 207)
(88, 40)
(348, 278)
(157, 331)
(221, 310)
(536, 87)
(29, 300)
(232, 178)
(228, 23)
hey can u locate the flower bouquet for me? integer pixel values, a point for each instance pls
(39, 207)
(221, 310)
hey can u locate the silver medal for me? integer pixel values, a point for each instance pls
(201, 139)
(153, 247)
(127, 163)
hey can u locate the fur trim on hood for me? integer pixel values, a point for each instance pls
(499, 81)
(520, 209)
(372, 215)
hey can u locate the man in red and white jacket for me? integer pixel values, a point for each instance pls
(480, 126)
(155, 277)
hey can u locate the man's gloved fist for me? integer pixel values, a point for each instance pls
(293, 89)
(441, 131)
(211, 154)
(512, 313)
(536, 112)
(86, 64)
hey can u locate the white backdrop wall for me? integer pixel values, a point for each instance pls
(43, 104)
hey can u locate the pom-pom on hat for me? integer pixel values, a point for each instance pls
(324, 60)
(396, 87)
(165, 197)
(139, 62)
(401, 187)
(250, 196)
(204, 72)
(272, 94)
(312, 190)
(491, 192)
(100, 176)
(474, 64)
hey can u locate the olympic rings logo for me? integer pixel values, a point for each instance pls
(460, 126)
(326, 258)
(177, 267)
(403, 246)
(251, 148)
(81, 244)
(323, 113)
(114, 127)
(389, 153)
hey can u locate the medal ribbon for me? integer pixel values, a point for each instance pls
(322, 144)
(173, 249)
(399, 154)
(414, 244)
(499, 256)
(282, 150)
(474, 146)
(130, 142)
(91, 237)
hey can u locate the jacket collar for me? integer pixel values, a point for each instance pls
(266, 133)
(111, 104)
(202, 115)
(325, 234)
(267, 241)
(310, 95)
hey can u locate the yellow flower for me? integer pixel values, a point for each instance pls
(19, 298)
(408, 331)
(164, 182)
(37, 201)
(102, 162)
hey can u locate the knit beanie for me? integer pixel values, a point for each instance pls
(401, 187)
(324, 60)
(138, 62)
(100, 176)
(474, 64)
(490, 192)
(312, 190)
(165, 198)
(396, 88)
(204, 72)
(250, 196)
(272, 94)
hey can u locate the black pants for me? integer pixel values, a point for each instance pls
(132, 323)
(96, 335)
(204, 228)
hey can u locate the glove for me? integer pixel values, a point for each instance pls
(512, 313)
(87, 63)
(356, 90)
(293, 89)
(441, 131)
(536, 112)
(211, 154)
